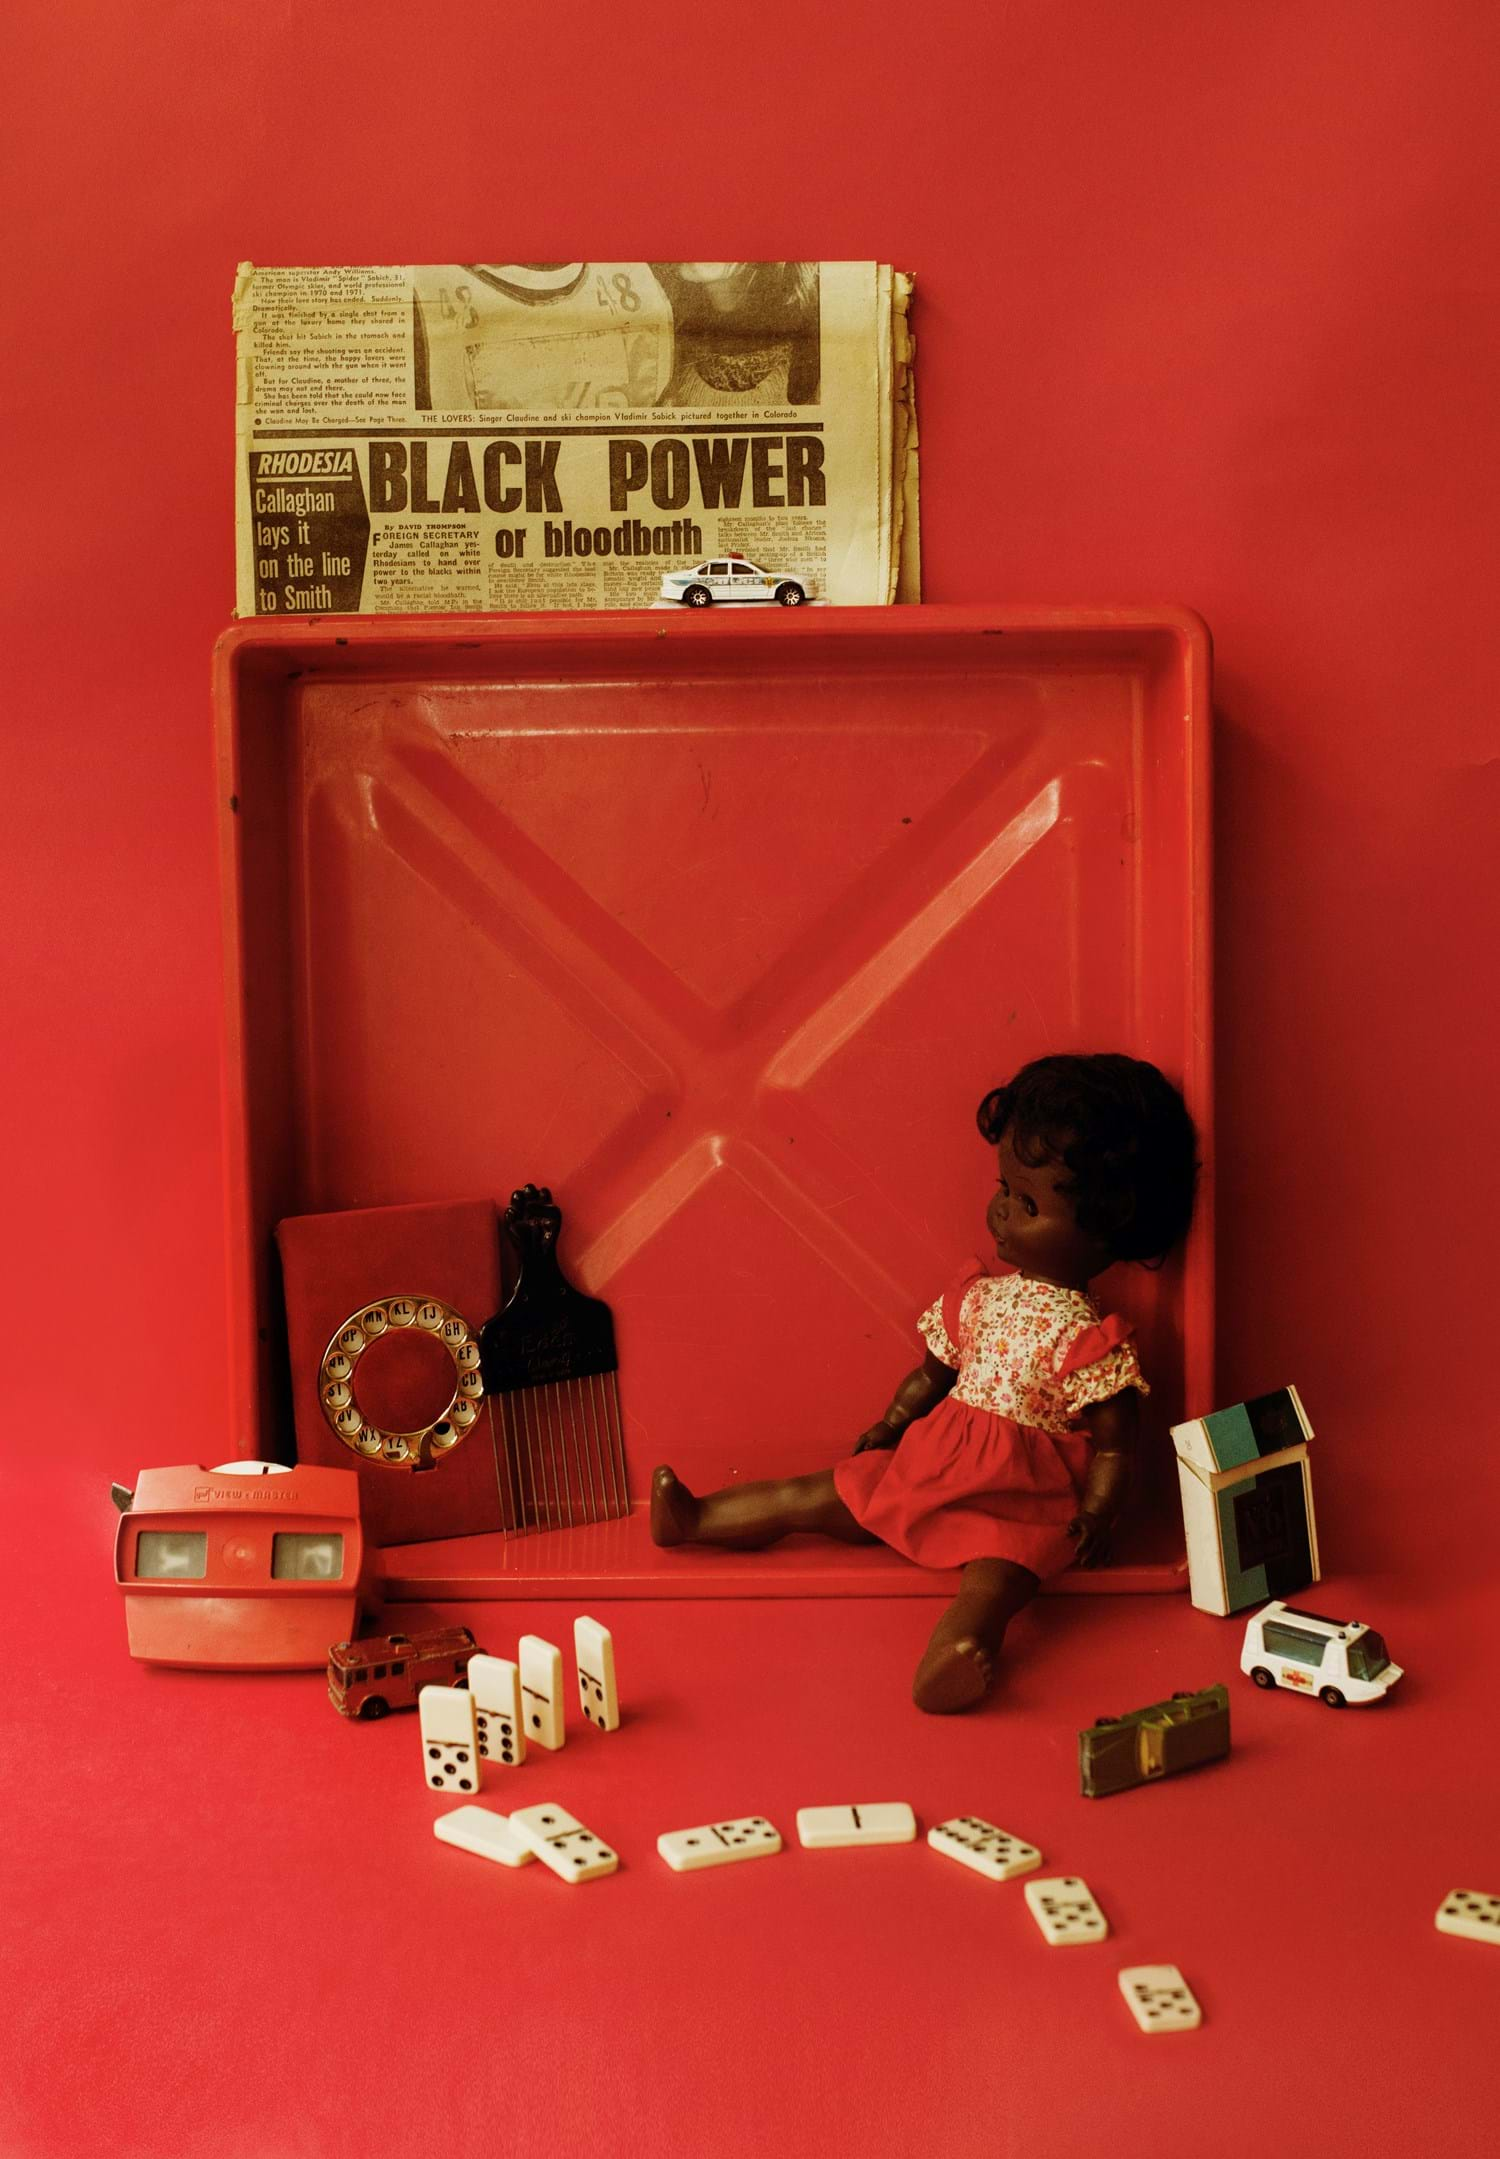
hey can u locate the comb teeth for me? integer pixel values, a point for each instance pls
(548, 1363)
(560, 1455)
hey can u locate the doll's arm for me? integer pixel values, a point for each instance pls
(919, 1392)
(1114, 1426)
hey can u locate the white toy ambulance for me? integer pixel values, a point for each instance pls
(1338, 1660)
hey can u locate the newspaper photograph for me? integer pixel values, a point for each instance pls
(467, 437)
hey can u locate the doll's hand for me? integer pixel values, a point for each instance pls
(879, 1435)
(919, 1392)
(1090, 1530)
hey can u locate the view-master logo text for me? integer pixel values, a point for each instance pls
(218, 1495)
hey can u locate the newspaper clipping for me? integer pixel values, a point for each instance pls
(498, 436)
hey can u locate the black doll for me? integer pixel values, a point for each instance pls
(1007, 1451)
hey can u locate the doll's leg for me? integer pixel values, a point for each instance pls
(958, 1668)
(744, 1517)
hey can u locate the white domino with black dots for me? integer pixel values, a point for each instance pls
(495, 1685)
(595, 1650)
(562, 1843)
(1471, 1913)
(718, 1844)
(1159, 1998)
(541, 1691)
(1065, 1910)
(450, 1739)
(885, 1821)
(992, 1852)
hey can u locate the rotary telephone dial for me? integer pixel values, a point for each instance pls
(391, 1320)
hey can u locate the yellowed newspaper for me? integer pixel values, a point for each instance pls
(466, 437)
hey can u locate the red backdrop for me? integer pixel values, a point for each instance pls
(1202, 301)
(1205, 294)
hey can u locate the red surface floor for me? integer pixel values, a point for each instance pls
(238, 1936)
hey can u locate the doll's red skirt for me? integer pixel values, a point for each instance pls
(965, 1484)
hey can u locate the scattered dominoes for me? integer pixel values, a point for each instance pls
(1159, 1998)
(718, 1844)
(595, 1649)
(1471, 1913)
(542, 1691)
(487, 1834)
(989, 1851)
(1064, 1908)
(495, 1685)
(888, 1822)
(450, 1739)
(562, 1843)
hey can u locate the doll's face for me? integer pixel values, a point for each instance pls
(1032, 1223)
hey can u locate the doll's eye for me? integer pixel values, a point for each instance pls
(1029, 1205)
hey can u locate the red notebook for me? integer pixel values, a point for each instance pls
(384, 1307)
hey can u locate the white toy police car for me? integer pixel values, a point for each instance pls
(731, 577)
(1339, 1660)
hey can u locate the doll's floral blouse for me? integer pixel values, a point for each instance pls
(1029, 1351)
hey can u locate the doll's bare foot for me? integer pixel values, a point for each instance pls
(958, 1667)
(956, 1672)
(674, 1510)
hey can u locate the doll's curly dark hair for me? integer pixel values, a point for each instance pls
(1124, 1135)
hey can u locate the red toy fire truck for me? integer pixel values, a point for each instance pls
(386, 1671)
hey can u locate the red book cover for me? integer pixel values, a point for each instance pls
(384, 1307)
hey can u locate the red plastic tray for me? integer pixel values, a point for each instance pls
(721, 927)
